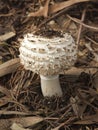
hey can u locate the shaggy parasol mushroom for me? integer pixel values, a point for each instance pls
(48, 57)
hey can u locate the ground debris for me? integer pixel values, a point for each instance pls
(21, 101)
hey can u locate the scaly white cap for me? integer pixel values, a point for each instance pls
(48, 56)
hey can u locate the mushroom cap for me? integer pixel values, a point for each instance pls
(48, 56)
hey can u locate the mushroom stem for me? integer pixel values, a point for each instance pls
(50, 86)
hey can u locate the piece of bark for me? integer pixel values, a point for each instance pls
(9, 66)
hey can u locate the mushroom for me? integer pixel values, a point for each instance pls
(48, 57)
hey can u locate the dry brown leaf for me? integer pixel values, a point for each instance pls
(43, 11)
(30, 121)
(24, 121)
(16, 126)
(78, 106)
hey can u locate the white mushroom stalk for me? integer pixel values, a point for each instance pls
(48, 57)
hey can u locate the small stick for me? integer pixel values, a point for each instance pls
(80, 28)
(9, 66)
(92, 40)
(83, 24)
(7, 36)
(59, 6)
(78, 71)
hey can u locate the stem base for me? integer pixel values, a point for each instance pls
(50, 86)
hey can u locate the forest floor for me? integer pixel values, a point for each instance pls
(22, 106)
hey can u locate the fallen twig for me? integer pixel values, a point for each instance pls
(78, 71)
(44, 11)
(92, 119)
(9, 66)
(12, 12)
(92, 41)
(7, 36)
(69, 121)
(61, 5)
(83, 24)
(3, 112)
(80, 28)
